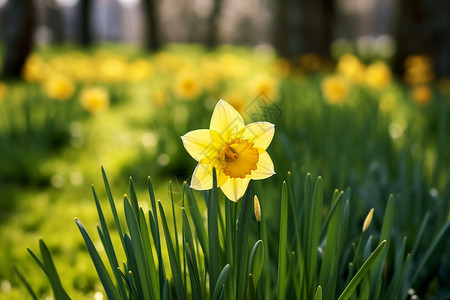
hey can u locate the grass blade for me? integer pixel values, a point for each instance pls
(138, 249)
(256, 261)
(191, 258)
(198, 221)
(351, 287)
(51, 272)
(332, 250)
(318, 295)
(213, 234)
(113, 206)
(282, 249)
(109, 248)
(108, 285)
(133, 199)
(174, 218)
(242, 233)
(221, 280)
(176, 272)
(430, 250)
(148, 254)
(314, 238)
(25, 283)
(153, 220)
(386, 231)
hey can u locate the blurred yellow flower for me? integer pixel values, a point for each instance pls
(335, 89)
(422, 94)
(112, 69)
(3, 90)
(82, 69)
(59, 63)
(418, 69)
(187, 86)
(350, 67)
(33, 68)
(94, 99)
(266, 85)
(233, 66)
(139, 69)
(310, 61)
(237, 152)
(378, 75)
(59, 87)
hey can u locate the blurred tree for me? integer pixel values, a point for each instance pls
(304, 27)
(423, 27)
(85, 22)
(20, 22)
(282, 28)
(55, 21)
(213, 21)
(152, 24)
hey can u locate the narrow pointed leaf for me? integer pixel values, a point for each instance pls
(108, 285)
(351, 287)
(25, 283)
(256, 261)
(282, 249)
(221, 281)
(176, 272)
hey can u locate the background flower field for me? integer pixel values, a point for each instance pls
(351, 121)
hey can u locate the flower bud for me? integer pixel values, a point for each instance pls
(257, 209)
(368, 220)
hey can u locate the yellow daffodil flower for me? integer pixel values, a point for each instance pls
(187, 86)
(264, 85)
(335, 89)
(59, 87)
(237, 152)
(422, 94)
(351, 68)
(94, 99)
(3, 90)
(378, 75)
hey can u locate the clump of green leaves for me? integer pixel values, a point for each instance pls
(228, 256)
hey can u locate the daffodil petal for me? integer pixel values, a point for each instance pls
(260, 133)
(226, 120)
(221, 177)
(199, 145)
(264, 167)
(202, 178)
(234, 188)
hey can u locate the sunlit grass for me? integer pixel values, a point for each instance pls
(383, 138)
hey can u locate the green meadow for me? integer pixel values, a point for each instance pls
(103, 145)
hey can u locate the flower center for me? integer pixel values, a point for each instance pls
(238, 158)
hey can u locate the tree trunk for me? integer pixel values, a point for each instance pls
(152, 24)
(282, 28)
(56, 24)
(304, 27)
(423, 27)
(212, 38)
(85, 22)
(19, 36)
(316, 31)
